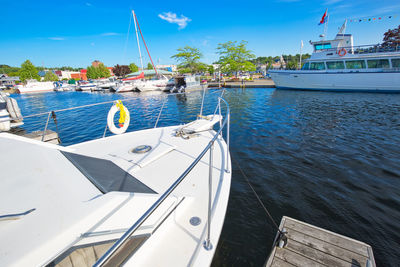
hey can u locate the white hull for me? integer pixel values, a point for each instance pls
(156, 85)
(334, 81)
(80, 213)
(35, 87)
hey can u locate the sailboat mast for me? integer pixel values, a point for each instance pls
(137, 39)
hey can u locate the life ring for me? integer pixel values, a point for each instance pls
(342, 52)
(124, 118)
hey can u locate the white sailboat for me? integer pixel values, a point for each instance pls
(158, 82)
(154, 197)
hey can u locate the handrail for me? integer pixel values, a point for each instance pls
(364, 48)
(124, 238)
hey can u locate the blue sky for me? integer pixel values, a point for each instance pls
(74, 33)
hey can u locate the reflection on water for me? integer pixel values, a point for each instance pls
(330, 159)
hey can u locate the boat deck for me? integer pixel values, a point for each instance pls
(309, 245)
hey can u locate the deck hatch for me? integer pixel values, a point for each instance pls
(106, 175)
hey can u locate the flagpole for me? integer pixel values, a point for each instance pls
(326, 27)
(301, 52)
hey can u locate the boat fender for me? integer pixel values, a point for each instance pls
(342, 52)
(13, 109)
(123, 121)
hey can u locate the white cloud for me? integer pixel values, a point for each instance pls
(88, 4)
(109, 34)
(57, 38)
(172, 18)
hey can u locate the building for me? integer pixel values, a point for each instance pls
(7, 81)
(96, 63)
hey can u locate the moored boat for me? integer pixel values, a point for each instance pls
(154, 197)
(34, 86)
(338, 65)
(181, 84)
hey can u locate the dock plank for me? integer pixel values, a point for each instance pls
(295, 258)
(328, 249)
(327, 236)
(281, 263)
(309, 245)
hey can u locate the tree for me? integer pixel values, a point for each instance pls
(392, 37)
(211, 69)
(235, 57)
(50, 76)
(122, 70)
(188, 58)
(100, 71)
(133, 67)
(149, 66)
(28, 71)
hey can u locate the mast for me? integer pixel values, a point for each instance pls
(137, 39)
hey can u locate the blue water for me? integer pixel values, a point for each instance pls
(330, 159)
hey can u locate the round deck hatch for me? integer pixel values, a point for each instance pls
(195, 221)
(140, 149)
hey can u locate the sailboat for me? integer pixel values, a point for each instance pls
(158, 82)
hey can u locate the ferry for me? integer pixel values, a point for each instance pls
(338, 65)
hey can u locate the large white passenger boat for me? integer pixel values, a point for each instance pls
(153, 197)
(338, 65)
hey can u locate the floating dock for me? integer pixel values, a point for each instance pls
(308, 245)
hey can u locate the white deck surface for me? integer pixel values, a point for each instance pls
(68, 205)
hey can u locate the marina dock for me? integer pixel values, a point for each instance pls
(247, 84)
(308, 245)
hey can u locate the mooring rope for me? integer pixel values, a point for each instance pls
(258, 198)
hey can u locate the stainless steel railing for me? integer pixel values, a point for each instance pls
(364, 49)
(207, 243)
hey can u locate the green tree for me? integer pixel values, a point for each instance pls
(100, 71)
(13, 74)
(188, 58)
(149, 66)
(235, 57)
(28, 71)
(211, 69)
(133, 67)
(50, 76)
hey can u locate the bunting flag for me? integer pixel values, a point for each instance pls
(372, 19)
(324, 18)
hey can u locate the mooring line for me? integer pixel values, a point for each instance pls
(258, 198)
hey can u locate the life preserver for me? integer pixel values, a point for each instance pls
(123, 121)
(342, 52)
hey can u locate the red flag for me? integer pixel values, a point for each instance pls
(135, 78)
(323, 19)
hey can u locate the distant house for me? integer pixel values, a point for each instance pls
(96, 63)
(7, 81)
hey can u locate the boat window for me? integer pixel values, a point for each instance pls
(322, 46)
(378, 63)
(395, 62)
(333, 65)
(306, 66)
(87, 255)
(317, 66)
(355, 64)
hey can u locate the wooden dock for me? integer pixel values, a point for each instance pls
(308, 245)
